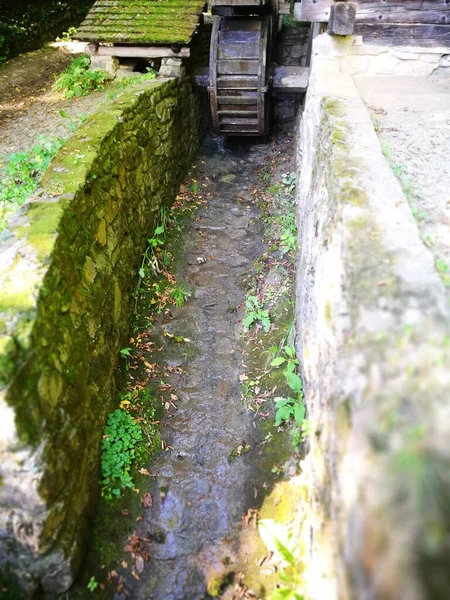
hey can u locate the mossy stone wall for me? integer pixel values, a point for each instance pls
(68, 271)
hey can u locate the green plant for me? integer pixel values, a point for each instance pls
(288, 238)
(93, 584)
(279, 540)
(125, 352)
(287, 408)
(255, 314)
(441, 265)
(120, 438)
(179, 295)
(78, 80)
(288, 182)
(22, 172)
(128, 82)
(67, 36)
(291, 407)
(288, 359)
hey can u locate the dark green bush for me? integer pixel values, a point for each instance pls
(27, 24)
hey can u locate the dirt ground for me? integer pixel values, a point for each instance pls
(29, 107)
(412, 117)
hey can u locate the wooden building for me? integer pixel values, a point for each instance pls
(399, 22)
(141, 28)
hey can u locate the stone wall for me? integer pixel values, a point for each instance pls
(291, 50)
(68, 272)
(373, 328)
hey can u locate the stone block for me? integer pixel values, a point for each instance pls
(171, 67)
(342, 18)
(110, 64)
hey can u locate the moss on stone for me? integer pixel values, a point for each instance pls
(333, 106)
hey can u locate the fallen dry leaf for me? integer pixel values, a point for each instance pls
(146, 500)
(139, 563)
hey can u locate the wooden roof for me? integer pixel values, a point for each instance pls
(141, 21)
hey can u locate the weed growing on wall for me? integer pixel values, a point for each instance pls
(291, 408)
(156, 263)
(256, 314)
(78, 80)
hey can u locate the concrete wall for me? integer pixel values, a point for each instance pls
(373, 327)
(68, 271)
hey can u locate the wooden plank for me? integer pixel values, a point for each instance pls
(237, 82)
(405, 35)
(136, 51)
(237, 67)
(381, 11)
(237, 113)
(233, 49)
(247, 99)
(238, 121)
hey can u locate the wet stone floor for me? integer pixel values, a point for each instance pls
(195, 534)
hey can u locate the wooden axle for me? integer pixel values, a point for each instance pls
(138, 51)
(281, 79)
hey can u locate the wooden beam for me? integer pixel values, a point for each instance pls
(405, 35)
(283, 79)
(137, 51)
(381, 11)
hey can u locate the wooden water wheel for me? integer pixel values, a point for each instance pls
(238, 74)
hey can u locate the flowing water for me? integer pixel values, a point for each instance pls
(194, 531)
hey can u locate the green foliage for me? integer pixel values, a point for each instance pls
(27, 26)
(78, 80)
(255, 314)
(179, 295)
(121, 436)
(92, 584)
(288, 359)
(441, 265)
(291, 408)
(125, 83)
(288, 238)
(288, 182)
(288, 408)
(22, 174)
(279, 539)
(67, 36)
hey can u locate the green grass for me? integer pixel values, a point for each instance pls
(23, 171)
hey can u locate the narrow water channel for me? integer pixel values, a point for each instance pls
(198, 532)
